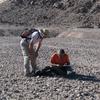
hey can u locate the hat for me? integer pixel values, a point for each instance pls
(45, 32)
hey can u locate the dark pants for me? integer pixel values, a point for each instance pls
(54, 70)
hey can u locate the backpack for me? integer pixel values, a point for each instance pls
(26, 33)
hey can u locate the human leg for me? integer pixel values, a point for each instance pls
(25, 52)
(33, 61)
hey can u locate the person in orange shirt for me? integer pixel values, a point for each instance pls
(60, 58)
(60, 62)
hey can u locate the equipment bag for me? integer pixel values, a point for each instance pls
(26, 33)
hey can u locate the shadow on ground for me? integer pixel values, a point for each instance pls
(83, 77)
(71, 76)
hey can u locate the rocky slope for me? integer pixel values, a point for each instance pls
(62, 13)
(84, 55)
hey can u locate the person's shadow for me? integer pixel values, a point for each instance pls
(72, 76)
(76, 76)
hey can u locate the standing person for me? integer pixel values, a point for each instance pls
(29, 50)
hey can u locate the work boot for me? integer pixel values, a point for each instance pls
(28, 75)
(33, 73)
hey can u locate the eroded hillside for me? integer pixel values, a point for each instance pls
(63, 13)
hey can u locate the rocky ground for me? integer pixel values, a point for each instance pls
(84, 56)
(60, 17)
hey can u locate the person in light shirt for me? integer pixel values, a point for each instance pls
(30, 49)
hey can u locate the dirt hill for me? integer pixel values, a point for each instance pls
(59, 13)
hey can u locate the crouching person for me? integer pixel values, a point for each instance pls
(29, 49)
(60, 62)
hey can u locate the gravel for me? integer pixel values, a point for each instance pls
(84, 56)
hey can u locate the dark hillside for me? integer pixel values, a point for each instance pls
(63, 13)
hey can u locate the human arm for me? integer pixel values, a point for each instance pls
(31, 50)
(54, 59)
(38, 46)
(67, 60)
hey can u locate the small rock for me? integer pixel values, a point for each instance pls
(0, 91)
(16, 91)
